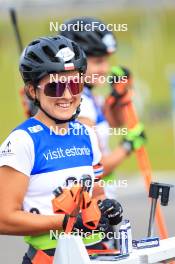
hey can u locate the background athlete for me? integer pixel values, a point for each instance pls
(96, 112)
(99, 45)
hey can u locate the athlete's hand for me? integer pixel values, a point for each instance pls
(120, 82)
(112, 210)
(79, 226)
(134, 139)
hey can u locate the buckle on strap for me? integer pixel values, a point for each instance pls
(31, 252)
(39, 256)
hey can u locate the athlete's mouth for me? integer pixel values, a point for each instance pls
(64, 105)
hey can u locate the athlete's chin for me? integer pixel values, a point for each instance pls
(63, 116)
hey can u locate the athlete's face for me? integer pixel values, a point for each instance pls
(97, 69)
(64, 107)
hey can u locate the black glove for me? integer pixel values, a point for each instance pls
(79, 226)
(112, 210)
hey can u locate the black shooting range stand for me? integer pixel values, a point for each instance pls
(156, 190)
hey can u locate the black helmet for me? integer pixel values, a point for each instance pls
(88, 33)
(51, 55)
(48, 55)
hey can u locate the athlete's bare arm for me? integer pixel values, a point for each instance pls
(13, 220)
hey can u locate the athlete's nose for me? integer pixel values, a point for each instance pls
(67, 94)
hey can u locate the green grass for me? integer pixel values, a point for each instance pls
(147, 48)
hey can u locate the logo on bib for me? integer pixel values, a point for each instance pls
(35, 129)
(7, 150)
(59, 153)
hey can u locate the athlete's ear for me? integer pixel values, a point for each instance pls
(30, 91)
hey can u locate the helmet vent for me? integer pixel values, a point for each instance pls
(50, 54)
(26, 68)
(62, 46)
(79, 39)
(98, 33)
(34, 42)
(92, 39)
(76, 51)
(34, 57)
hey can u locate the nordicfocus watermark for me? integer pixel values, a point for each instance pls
(89, 27)
(55, 235)
(122, 184)
(79, 130)
(88, 79)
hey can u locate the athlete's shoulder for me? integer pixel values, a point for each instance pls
(18, 136)
(24, 134)
(31, 126)
(17, 151)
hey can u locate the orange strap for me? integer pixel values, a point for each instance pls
(42, 258)
(91, 215)
(67, 202)
(64, 203)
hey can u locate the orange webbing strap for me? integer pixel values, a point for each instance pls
(91, 213)
(77, 194)
(64, 203)
(42, 258)
(73, 201)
